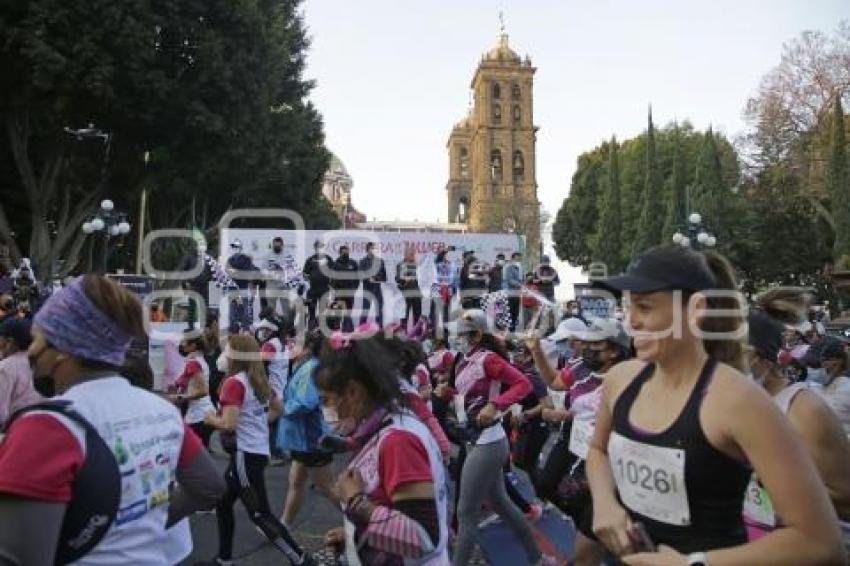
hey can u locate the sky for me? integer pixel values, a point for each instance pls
(392, 77)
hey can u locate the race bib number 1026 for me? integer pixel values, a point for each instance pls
(650, 479)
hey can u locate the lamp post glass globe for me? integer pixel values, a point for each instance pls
(685, 242)
(124, 227)
(711, 241)
(695, 218)
(98, 224)
(107, 205)
(114, 230)
(677, 238)
(703, 238)
(87, 228)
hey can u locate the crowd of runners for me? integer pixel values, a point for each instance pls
(689, 429)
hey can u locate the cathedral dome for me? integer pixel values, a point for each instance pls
(337, 167)
(502, 52)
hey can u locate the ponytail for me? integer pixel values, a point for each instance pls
(729, 351)
(374, 362)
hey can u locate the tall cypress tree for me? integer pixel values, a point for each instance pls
(839, 187)
(652, 214)
(608, 249)
(676, 206)
(708, 193)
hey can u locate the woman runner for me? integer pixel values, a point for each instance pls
(810, 416)
(393, 491)
(679, 428)
(243, 417)
(99, 469)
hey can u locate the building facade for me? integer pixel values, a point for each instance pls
(492, 184)
(336, 188)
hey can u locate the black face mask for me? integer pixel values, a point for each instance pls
(343, 257)
(593, 359)
(183, 351)
(42, 383)
(277, 249)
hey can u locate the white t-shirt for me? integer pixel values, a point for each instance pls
(252, 431)
(199, 407)
(145, 433)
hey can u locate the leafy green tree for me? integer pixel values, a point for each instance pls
(710, 191)
(652, 213)
(575, 222)
(608, 248)
(839, 187)
(676, 198)
(213, 91)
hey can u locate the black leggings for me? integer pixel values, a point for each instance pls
(246, 481)
(556, 468)
(530, 440)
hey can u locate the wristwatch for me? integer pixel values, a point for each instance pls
(697, 559)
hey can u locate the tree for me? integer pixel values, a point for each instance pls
(575, 223)
(795, 97)
(709, 190)
(608, 248)
(651, 219)
(214, 91)
(676, 202)
(839, 187)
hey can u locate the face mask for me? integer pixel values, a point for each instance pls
(574, 312)
(330, 416)
(464, 345)
(277, 249)
(221, 362)
(817, 375)
(593, 359)
(183, 351)
(343, 256)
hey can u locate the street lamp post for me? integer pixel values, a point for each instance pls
(110, 223)
(696, 236)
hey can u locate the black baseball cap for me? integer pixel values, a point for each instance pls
(662, 268)
(765, 335)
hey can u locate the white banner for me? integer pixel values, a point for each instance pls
(390, 246)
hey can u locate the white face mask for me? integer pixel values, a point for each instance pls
(817, 375)
(464, 344)
(330, 416)
(221, 362)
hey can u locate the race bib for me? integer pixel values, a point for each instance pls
(650, 479)
(580, 435)
(757, 505)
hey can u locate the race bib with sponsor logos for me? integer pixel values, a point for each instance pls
(650, 479)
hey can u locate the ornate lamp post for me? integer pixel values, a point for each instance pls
(110, 223)
(695, 235)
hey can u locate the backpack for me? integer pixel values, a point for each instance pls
(95, 495)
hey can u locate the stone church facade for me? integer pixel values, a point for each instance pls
(492, 184)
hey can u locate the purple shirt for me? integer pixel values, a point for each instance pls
(16, 386)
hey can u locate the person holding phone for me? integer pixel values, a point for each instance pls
(680, 430)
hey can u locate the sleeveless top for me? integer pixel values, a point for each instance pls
(687, 493)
